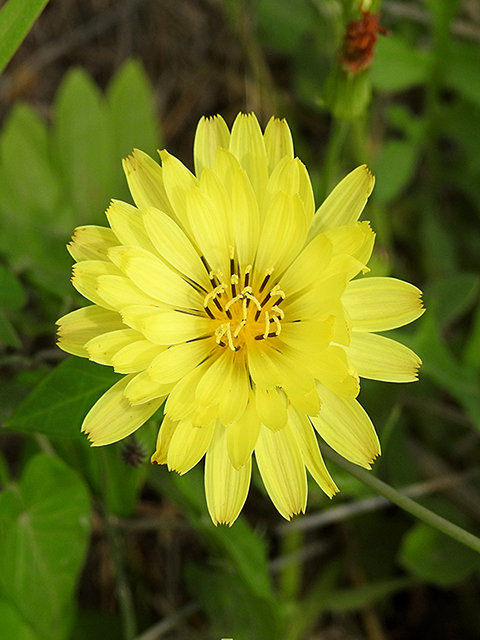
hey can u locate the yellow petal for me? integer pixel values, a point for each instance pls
(316, 302)
(331, 368)
(262, 369)
(345, 203)
(282, 236)
(85, 276)
(136, 356)
(346, 427)
(234, 392)
(181, 403)
(154, 277)
(91, 243)
(270, 408)
(208, 387)
(226, 488)
(211, 133)
(308, 266)
(380, 358)
(305, 192)
(141, 389)
(308, 403)
(282, 469)
(119, 292)
(112, 417)
(356, 239)
(310, 336)
(127, 224)
(247, 145)
(278, 141)
(245, 219)
(170, 327)
(188, 445)
(164, 438)
(310, 451)
(145, 180)
(178, 180)
(104, 346)
(242, 435)
(176, 361)
(210, 228)
(174, 246)
(379, 304)
(78, 327)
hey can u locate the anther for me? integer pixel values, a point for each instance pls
(266, 279)
(246, 278)
(232, 261)
(209, 313)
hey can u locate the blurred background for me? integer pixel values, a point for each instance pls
(97, 543)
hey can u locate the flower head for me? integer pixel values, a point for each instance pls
(227, 295)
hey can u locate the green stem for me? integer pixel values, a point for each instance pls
(291, 574)
(124, 594)
(338, 133)
(405, 503)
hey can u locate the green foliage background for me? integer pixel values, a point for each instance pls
(350, 564)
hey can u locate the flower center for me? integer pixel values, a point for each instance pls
(243, 314)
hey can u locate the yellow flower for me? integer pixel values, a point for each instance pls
(228, 295)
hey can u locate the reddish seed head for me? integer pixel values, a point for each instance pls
(359, 41)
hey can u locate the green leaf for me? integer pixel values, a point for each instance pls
(35, 224)
(26, 170)
(12, 294)
(43, 539)
(398, 65)
(8, 335)
(461, 69)
(430, 555)
(131, 102)
(16, 20)
(12, 626)
(394, 168)
(84, 148)
(244, 548)
(459, 380)
(220, 593)
(59, 404)
(341, 600)
(451, 297)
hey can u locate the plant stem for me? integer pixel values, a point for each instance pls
(124, 594)
(338, 133)
(405, 503)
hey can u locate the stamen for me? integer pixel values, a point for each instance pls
(255, 302)
(267, 325)
(232, 301)
(236, 333)
(277, 325)
(205, 263)
(220, 331)
(209, 313)
(279, 311)
(266, 279)
(247, 275)
(232, 261)
(230, 339)
(234, 281)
